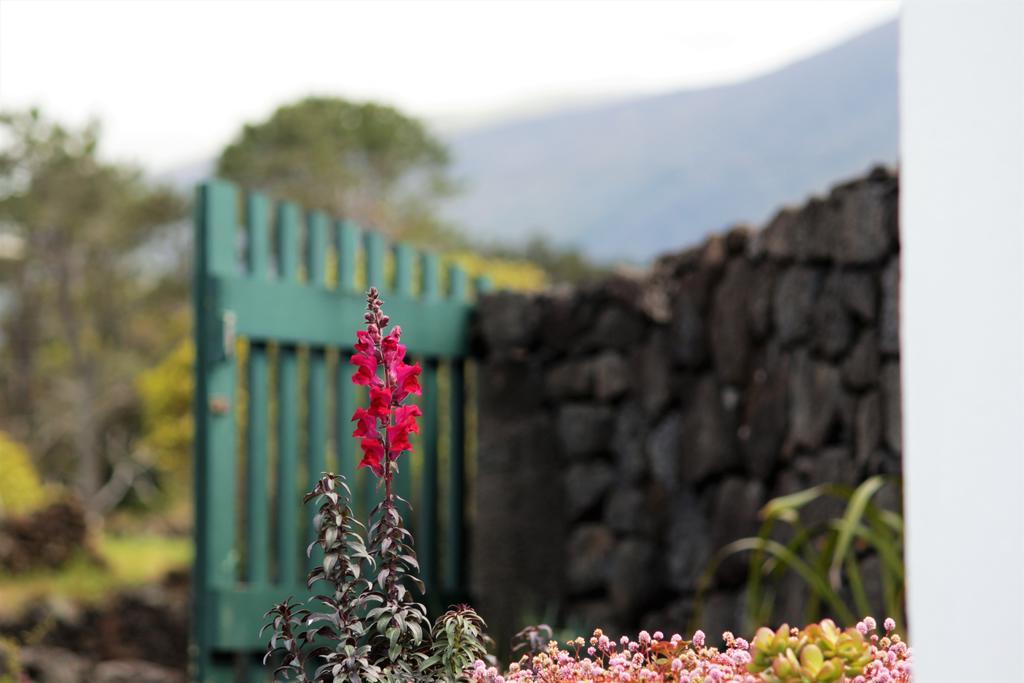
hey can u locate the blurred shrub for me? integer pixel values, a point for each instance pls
(46, 538)
(504, 273)
(21, 489)
(166, 390)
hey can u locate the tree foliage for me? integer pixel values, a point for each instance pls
(82, 316)
(365, 161)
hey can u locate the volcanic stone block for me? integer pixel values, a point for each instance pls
(511, 387)
(708, 435)
(797, 234)
(654, 381)
(891, 410)
(777, 239)
(759, 301)
(674, 617)
(734, 516)
(635, 578)
(627, 511)
(764, 421)
(664, 450)
(628, 443)
(570, 378)
(859, 290)
(834, 465)
(868, 431)
(832, 325)
(793, 300)
(863, 231)
(588, 614)
(586, 484)
(723, 611)
(688, 331)
(563, 320)
(730, 339)
(519, 497)
(611, 375)
(616, 328)
(508, 321)
(688, 541)
(585, 429)
(815, 399)
(860, 369)
(889, 323)
(589, 548)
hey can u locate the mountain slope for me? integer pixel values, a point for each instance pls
(630, 179)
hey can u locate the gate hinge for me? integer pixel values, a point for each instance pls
(228, 325)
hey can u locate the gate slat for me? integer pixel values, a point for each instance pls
(316, 406)
(429, 537)
(347, 240)
(427, 532)
(258, 508)
(288, 537)
(454, 580)
(404, 258)
(375, 248)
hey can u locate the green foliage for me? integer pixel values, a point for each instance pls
(560, 264)
(166, 391)
(344, 565)
(820, 653)
(21, 489)
(399, 622)
(826, 556)
(459, 640)
(10, 661)
(365, 161)
(378, 630)
(85, 315)
(374, 165)
(505, 273)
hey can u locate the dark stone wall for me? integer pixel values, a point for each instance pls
(630, 428)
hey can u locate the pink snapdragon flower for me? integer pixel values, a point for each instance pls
(384, 427)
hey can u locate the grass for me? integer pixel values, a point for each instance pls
(131, 560)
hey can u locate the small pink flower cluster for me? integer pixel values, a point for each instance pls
(652, 658)
(891, 658)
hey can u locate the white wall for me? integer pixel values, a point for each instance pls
(962, 212)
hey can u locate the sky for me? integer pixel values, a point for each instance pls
(172, 82)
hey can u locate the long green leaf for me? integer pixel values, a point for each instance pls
(860, 596)
(887, 549)
(813, 579)
(851, 518)
(782, 506)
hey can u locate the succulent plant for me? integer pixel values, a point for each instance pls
(819, 653)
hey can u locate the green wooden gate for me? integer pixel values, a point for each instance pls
(278, 299)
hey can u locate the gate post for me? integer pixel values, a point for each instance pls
(214, 463)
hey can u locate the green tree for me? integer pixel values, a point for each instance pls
(365, 161)
(85, 309)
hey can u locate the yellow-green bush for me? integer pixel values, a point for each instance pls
(166, 391)
(21, 489)
(504, 273)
